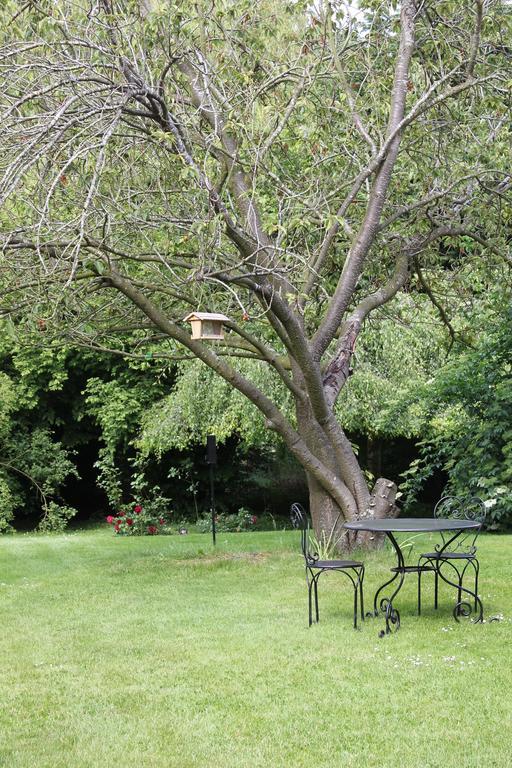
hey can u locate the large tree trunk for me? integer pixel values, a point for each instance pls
(328, 517)
(327, 513)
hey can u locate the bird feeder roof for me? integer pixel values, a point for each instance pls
(206, 316)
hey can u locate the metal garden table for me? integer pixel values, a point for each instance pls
(418, 525)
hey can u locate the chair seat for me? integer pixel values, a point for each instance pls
(413, 569)
(448, 556)
(336, 564)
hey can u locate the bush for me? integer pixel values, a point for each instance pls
(56, 517)
(469, 434)
(148, 518)
(6, 505)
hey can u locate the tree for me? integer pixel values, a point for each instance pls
(289, 166)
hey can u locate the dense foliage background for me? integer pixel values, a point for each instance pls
(92, 431)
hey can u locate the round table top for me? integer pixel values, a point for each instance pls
(411, 524)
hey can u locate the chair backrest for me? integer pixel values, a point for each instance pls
(462, 508)
(300, 521)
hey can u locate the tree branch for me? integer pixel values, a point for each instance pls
(437, 304)
(338, 370)
(368, 229)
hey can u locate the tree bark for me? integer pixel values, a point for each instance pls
(381, 505)
(327, 517)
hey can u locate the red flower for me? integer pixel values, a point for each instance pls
(161, 521)
(121, 514)
(137, 509)
(116, 527)
(110, 519)
(152, 529)
(254, 519)
(129, 521)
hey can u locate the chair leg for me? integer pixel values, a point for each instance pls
(312, 582)
(309, 582)
(477, 568)
(361, 579)
(316, 599)
(459, 591)
(419, 593)
(436, 587)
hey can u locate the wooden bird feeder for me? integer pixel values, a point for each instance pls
(206, 325)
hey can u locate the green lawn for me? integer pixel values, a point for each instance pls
(160, 652)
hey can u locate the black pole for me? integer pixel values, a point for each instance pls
(211, 460)
(212, 503)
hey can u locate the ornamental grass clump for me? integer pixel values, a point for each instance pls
(139, 520)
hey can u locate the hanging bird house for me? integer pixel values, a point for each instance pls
(206, 325)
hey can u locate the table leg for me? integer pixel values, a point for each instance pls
(386, 603)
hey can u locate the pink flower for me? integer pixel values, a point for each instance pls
(129, 521)
(110, 519)
(137, 509)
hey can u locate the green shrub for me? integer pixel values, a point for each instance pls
(6, 505)
(56, 517)
(469, 434)
(147, 518)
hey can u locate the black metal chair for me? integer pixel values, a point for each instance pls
(353, 569)
(463, 553)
